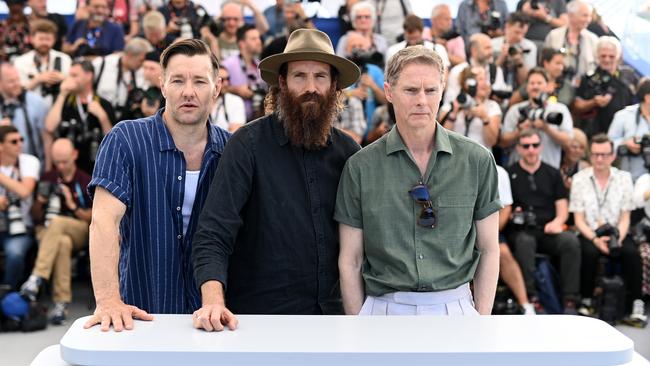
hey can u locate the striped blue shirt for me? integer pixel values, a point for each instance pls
(140, 165)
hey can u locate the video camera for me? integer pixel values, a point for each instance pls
(536, 110)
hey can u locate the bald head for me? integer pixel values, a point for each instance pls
(64, 156)
(9, 81)
(441, 21)
(357, 41)
(480, 47)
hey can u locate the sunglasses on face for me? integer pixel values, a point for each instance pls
(420, 193)
(528, 146)
(15, 141)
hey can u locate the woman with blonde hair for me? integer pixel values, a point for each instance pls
(574, 156)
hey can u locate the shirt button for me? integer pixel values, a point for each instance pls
(179, 208)
(179, 236)
(421, 256)
(180, 178)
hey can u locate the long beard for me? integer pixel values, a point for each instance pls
(306, 124)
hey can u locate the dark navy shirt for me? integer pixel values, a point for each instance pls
(102, 41)
(140, 165)
(267, 231)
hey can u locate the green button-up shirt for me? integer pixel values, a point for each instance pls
(400, 255)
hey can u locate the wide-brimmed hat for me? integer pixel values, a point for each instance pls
(309, 45)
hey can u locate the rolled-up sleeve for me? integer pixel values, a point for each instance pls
(348, 198)
(487, 199)
(114, 167)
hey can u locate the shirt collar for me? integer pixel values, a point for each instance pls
(166, 142)
(395, 143)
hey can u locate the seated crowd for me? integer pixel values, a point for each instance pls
(543, 88)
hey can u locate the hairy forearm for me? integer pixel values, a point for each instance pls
(104, 250)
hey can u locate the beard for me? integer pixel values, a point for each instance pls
(308, 117)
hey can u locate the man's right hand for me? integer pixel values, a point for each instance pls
(117, 313)
(632, 146)
(214, 317)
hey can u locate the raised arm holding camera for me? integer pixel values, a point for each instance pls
(552, 119)
(513, 52)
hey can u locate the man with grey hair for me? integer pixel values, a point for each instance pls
(411, 242)
(364, 15)
(154, 30)
(119, 76)
(231, 18)
(578, 43)
(442, 32)
(604, 91)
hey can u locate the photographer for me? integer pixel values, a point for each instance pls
(63, 205)
(153, 99)
(18, 176)
(42, 69)
(480, 55)
(578, 43)
(601, 201)
(481, 16)
(544, 16)
(552, 119)
(364, 16)
(442, 32)
(95, 36)
(473, 113)
(558, 86)
(630, 131)
(369, 88)
(413, 27)
(230, 20)
(245, 79)
(605, 91)
(154, 30)
(229, 112)
(120, 79)
(79, 115)
(540, 210)
(514, 53)
(186, 19)
(23, 109)
(641, 232)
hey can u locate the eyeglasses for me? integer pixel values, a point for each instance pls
(420, 193)
(16, 141)
(229, 19)
(363, 17)
(601, 155)
(528, 146)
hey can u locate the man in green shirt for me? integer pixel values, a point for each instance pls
(418, 209)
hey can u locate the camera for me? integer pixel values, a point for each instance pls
(613, 233)
(53, 89)
(131, 108)
(492, 23)
(534, 4)
(525, 219)
(645, 150)
(641, 231)
(361, 58)
(600, 83)
(535, 110)
(450, 34)
(14, 221)
(466, 97)
(46, 189)
(9, 110)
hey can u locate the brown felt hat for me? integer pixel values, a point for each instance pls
(309, 45)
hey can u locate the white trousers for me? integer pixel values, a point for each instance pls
(456, 301)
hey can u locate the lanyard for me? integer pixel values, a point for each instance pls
(568, 48)
(83, 115)
(602, 202)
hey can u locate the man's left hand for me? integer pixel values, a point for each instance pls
(96, 109)
(553, 227)
(67, 195)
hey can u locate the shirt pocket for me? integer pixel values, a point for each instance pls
(455, 216)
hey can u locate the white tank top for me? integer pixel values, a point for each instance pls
(191, 182)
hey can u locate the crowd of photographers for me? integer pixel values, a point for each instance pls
(543, 87)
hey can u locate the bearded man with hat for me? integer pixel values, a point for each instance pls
(266, 241)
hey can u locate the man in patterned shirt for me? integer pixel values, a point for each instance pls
(601, 201)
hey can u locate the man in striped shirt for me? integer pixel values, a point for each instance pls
(150, 182)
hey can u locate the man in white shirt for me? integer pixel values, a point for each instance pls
(601, 202)
(413, 27)
(119, 75)
(42, 69)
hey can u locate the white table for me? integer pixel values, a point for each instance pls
(348, 340)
